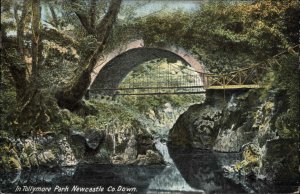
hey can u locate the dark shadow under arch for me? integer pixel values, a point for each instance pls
(112, 74)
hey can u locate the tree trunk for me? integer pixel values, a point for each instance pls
(35, 26)
(19, 72)
(71, 96)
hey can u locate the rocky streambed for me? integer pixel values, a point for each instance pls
(133, 157)
(92, 142)
(185, 171)
(221, 145)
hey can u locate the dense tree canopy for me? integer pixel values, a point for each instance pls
(51, 47)
(37, 45)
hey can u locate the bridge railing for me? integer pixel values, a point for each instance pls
(251, 77)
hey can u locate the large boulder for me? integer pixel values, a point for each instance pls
(46, 158)
(151, 157)
(197, 127)
(87, 143)
(140, 150)
(93, 140)
(236, 124)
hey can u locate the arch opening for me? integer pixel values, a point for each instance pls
(111, 74)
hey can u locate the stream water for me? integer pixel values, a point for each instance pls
(191, 171)
(187, 171)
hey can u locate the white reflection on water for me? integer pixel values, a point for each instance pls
(170, 179)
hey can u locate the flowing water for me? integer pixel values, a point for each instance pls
(187, 171)
(192, 171)
(170, 178)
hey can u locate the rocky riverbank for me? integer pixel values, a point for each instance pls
(111, 133)
(53, 151)
(246, 122)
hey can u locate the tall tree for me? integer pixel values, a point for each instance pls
(22, 70)
(69, 97)
(25, 71)
(18, 68)
(25, 54)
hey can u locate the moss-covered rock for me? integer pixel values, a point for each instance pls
(251, 156)
(47, 158)
(150, 158)
(14, 164)
(65, 156)
(25, 160)
(280, 161)
(9, 160)
(90, 122)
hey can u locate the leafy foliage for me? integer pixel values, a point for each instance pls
(226, 35)
(229, 36)
(223, 34)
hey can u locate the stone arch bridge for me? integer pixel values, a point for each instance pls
(113, 67)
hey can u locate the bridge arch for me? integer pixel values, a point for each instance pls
(114, 67)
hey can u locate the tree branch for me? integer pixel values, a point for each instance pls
(54, 16)
(71, 96)
(105, 26)
(59, 38)
(85, 22)
(16, 15)
(93, 13)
